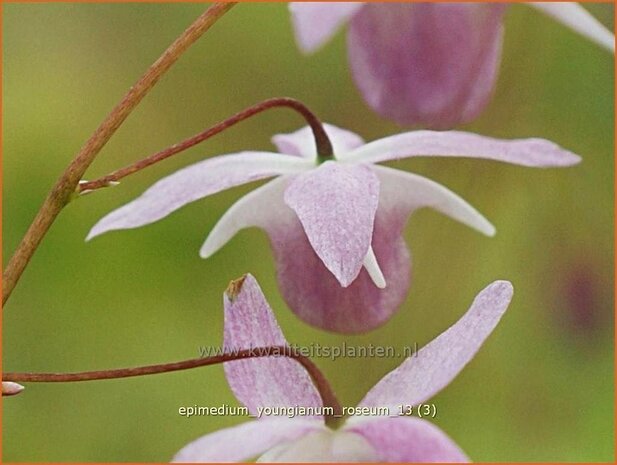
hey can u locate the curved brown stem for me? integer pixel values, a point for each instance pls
(324, 146)
(65, 187)
(327, 394)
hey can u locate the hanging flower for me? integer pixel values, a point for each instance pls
(335, 226)
(432, 64)
(279, 382)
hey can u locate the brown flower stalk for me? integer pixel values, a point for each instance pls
(325, 391)
(324, 146)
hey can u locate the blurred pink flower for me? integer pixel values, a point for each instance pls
(431, 64)
(279, 382)
(335, 227)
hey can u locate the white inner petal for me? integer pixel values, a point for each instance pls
(371, 265)
(326, 446)
(411, 191)
(574, 16)
(257, 208)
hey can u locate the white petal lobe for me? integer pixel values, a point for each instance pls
(372, 267)
(577, 18)
(411, 191)
(258, 208)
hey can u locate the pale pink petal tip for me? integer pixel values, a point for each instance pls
(10, 388)
(316, 22)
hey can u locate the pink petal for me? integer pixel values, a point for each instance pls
(195, 182)
(408, 440)
(310, 290)
(268, 381)
(433, 64)
(302, 141)
(423, 375)
(527, 152)
(336, 205)
(245, 441)
(316, 22)
(577, 18)
(314, 294)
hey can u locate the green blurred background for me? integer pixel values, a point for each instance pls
(541, 389)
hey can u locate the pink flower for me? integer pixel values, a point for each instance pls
(279, 382)
(432, 64)
(335, 227)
